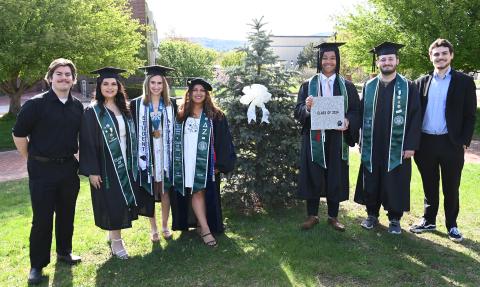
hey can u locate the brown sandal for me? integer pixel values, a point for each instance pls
(154, 236)
(167, 234)
(211, 243)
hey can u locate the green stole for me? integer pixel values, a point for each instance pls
(398, 121)
(317, 138)
(201, 163)
(112, 142)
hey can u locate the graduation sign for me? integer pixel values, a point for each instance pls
(327, 113)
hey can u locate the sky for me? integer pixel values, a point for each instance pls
(229, 19)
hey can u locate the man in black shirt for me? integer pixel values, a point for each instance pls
(46, 135)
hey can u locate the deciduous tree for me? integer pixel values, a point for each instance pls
(416, 24)
(92, 33)
(189, 59)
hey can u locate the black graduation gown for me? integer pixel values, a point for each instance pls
(148, 208)
(333, 182)
(225, 157)
(109, 207)
(392, 188)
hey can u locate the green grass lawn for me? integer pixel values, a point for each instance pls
(6, 124)
(261, 250)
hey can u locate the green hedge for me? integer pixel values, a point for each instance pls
(134, 91)
(6, 140)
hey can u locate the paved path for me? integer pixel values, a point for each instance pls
(471, 156)
(5, 101)
(473, 152)
(13, 166)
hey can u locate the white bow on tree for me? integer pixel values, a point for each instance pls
(256, 95)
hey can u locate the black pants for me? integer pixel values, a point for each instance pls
(313, 204)
(439, 156)
(53, 189)
(374, 210)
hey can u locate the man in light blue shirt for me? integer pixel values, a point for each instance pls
(448, 100)
(434, 122)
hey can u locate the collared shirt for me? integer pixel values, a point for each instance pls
(434, 120)
(52, 126)
(330, 81)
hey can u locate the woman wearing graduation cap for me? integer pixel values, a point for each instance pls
(154, 115)
(203, 149)
(108, 156)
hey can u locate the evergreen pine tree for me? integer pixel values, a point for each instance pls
(266, 171)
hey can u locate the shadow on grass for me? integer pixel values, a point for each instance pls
(467, 243)
(357, 257)
(270, 250)
(186, 261)
(259, 250)
(63, 275)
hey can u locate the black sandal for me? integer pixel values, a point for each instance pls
(211, 243)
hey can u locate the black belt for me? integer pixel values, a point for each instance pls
(435, 135)
(58, 160)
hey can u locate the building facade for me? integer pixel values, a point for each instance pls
(287, 48)
(142, 12)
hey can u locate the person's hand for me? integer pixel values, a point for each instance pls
(96, 181)
(408, 154)
(309, 103)
(345, 125)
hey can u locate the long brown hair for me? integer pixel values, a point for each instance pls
(147, 97)
(120, 97)
(209, 107)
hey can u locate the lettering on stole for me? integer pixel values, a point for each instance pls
(119, 162)
(327, 113)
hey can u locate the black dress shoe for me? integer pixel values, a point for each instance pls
(35, 276)
(70, 258)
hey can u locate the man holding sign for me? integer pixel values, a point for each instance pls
(390, 135)
(324, 152)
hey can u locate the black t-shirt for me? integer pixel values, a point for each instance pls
(52, 126)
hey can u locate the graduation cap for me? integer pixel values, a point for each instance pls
(108, 72)
(199, 81)
(385, 48)
(328, 47)
(156, 70)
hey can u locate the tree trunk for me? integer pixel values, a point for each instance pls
(15, 102)
(14, 88)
